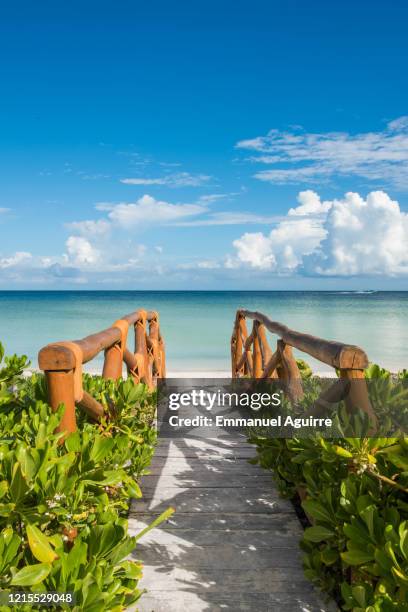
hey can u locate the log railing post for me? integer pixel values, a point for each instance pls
(112, 365)
(243, 335)
(256, 352)
(60, 384)
(357, 394)
(154, 346)
(63, 374)
(162, 357)
(289, 372)
(265, 348)
(236, 346)
(141, 349)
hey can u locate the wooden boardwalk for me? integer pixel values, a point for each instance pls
(232, 543)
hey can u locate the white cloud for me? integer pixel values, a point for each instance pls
(4, 210)
(215, 197)
(148, 210)
(315, 157)
(80, 251)
(351, 236)
(99, 227)
(363, 237)
(309, 204)
(178, 179)
(19, 258)
(256, 250)
(231, 218)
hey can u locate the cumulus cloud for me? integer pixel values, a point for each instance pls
(351, 236)
(255, 249)
(80, 251)
(178, 179)
(315, 157)
(364, 236)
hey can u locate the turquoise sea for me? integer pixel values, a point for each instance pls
(197, 325)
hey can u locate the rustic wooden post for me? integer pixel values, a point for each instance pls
(256, 352)
(59, 363)
(272, 365)
(265, 348)
(245, 365)
(234, 350)
(112, 366)
(162, 357)
(289, 372)
(60, 384)
(357, 395)
(236, 345)
(154, 342)
(141, 348)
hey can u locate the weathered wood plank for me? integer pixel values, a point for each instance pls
(226, 581)
(220, 521)
(283, 537)
(238, 465)
(232, 543)
(206, 479)
(159, 601)
(213, 499)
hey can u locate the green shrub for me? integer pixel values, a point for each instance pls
(63, 504)
(355, 493)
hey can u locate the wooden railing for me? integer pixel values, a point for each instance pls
(251, 356)
(62, 363)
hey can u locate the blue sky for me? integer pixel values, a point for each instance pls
(162, 145)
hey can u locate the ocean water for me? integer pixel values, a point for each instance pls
(197, 326)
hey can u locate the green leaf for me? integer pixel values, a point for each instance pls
(73, 442)
(31, 574)
(359, 595)
(342, 452)
(317, 511)
(401, 577)
(18, 486)
(27, 463)
(39, 545)
(404, 544)
(102, 447)
(356, 557)
(329, 556)
(3, 488)
(368, 516)
(163, 517)
(317, 533)
(41, 436)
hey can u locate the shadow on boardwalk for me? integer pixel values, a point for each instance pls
(232, 543)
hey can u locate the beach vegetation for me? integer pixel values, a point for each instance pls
(353, 492)
(64, 500)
